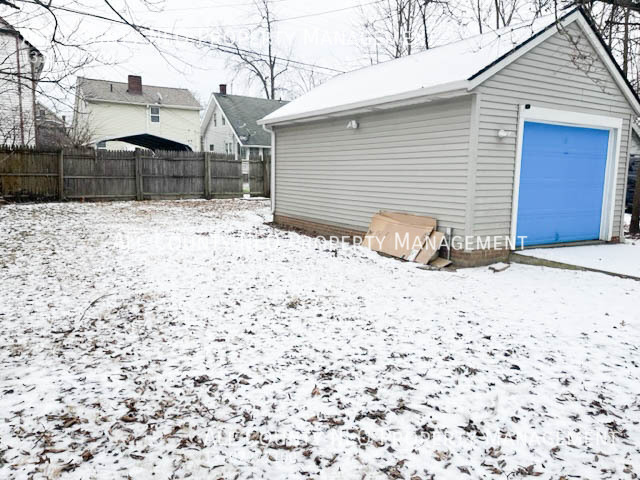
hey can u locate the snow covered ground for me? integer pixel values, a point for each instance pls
(189, 339)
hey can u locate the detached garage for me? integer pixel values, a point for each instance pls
(518, 136)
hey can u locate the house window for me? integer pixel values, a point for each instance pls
(211, 148)
(224, 121)
(215, 119)
(155, 114)
(102, 145)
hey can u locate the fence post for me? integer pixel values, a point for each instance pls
(266, 176)
(138, 168)
(207, 175)
(61, 175)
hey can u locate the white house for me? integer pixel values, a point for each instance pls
(519, 135)
(230, 124)
(119, 115)
(20, 68)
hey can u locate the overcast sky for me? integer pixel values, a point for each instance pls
(326, 33)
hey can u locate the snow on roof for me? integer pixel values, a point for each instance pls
(448, 65)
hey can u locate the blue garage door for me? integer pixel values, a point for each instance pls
(561, 183)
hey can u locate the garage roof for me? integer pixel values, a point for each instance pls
(456, 66)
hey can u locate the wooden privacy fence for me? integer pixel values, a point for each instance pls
(87, 174)
(259, 176)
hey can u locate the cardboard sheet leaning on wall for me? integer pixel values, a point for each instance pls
(410, 237)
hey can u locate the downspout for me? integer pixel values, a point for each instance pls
(20, 89)
(36, 134)
(272, 180)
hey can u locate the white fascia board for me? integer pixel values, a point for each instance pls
(611, 67)
(227, 122)
(413, 97)
(636, 130)
(204, 124)
(522, 50)
(582, 22)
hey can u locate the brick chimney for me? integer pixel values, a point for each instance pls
(223, 89)
(135, 85)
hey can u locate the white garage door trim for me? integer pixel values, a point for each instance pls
(572, 119)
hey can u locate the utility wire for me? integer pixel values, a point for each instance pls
(225, 48)
(308, 15)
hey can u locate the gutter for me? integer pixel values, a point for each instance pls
(272, 180)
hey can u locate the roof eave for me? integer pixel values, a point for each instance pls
(579, 17)
(421, 95)
(612, 65)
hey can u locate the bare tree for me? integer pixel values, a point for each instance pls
(401, 27)
(268, 69)
(48, 76)
(506, 11)
(303, 81)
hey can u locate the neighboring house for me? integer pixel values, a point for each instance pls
(20, 68)
(230, 125)
(119, 115)
(51, 129)
(519, 132)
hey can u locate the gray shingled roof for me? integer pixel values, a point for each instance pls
(243, 114)
(117, 92)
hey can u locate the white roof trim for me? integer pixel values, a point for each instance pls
(611, 66)
(424, 94)
(581, 21)
(227, 122)
(521, 50)
(391, 101)
(636, 130)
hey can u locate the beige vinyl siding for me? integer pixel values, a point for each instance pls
(110, 120)
(547, 76)
(412, 160)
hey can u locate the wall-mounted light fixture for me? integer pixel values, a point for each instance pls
(352, 125)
